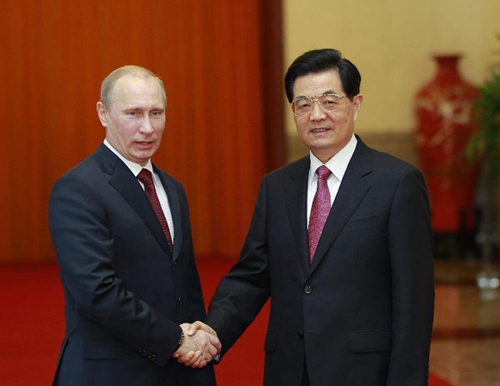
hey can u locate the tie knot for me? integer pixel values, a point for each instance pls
(323, 172)
(145, 177)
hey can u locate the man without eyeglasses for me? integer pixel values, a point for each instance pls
(341, 242)
(120, 227)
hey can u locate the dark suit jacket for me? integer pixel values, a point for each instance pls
(125, 294)
(362, 313)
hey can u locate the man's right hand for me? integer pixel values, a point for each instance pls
(200, 346)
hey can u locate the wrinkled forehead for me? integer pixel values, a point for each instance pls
(138, 87)
(318, 83)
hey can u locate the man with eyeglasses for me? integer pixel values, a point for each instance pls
(341, 241)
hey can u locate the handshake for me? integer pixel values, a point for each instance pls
(199, 347)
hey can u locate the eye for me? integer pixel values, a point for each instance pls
(303, 104)
(329, 100)
(133, 113)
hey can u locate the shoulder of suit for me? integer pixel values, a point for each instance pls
(292, 167)
(387, 163)
(82, 179)
(83, 168)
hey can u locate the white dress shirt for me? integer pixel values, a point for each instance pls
(337, 165)
(160, 191)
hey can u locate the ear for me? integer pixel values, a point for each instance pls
(357, 102)
(102, 113)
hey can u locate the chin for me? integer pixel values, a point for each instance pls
(323, 145)
(142, 159)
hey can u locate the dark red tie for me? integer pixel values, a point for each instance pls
(146, 178)
(319, 211)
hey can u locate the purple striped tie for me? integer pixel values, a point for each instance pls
(146, 178)
(319, 211)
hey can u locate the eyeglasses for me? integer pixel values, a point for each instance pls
(328, 102)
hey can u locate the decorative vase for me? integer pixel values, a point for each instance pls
(443, 110)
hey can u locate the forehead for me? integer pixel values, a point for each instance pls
(132, 89)
(317, 83)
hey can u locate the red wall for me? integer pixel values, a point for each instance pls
(209, 54)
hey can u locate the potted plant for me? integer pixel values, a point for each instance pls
(486, 142)
(485, 146)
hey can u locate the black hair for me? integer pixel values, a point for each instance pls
(316, 61)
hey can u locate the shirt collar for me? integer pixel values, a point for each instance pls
(337, 164)
(135, 168)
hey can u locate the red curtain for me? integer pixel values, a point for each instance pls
(212, 56)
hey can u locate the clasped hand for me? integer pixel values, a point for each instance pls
(200, 346)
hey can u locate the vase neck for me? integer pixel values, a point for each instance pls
(447, 68)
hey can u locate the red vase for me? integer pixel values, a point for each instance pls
(443, 109)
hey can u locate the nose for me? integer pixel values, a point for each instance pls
(317, 112)
(146, 126)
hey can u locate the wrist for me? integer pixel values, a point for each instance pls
(182, 339)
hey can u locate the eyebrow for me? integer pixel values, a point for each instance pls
(323, 93)
(137, 108)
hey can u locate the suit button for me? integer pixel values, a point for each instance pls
(175, 263)
(308, 290)
(300, 334)
(179, 300)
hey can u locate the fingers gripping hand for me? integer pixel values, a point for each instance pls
(201, 326)
(207, 345)
(198, 327)
(200, 347)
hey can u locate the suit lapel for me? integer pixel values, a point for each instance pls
(175, 209)
(124, 181)
(295, 190)
(351, 192)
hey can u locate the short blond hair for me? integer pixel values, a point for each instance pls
(108, 84)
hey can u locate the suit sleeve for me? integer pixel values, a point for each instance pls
(84, 246)
(195, 302)
(243, 292)
(410, 247)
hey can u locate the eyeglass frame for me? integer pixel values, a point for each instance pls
(315, 99)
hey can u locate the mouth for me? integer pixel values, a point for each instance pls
(320, 130)
(144, 143)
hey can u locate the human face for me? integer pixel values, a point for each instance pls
(325, 133)
(135, 118)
